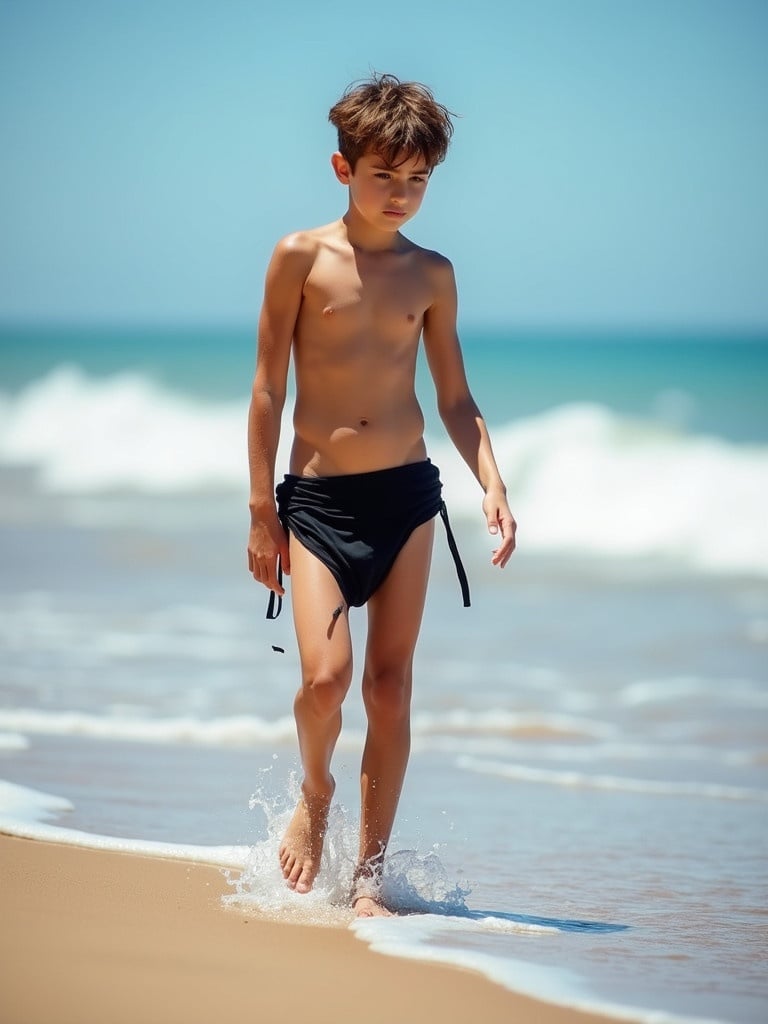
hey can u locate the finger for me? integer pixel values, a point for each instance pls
(269, 579)
(256, 565)
(503, 553)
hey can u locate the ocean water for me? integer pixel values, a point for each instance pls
(585, 813)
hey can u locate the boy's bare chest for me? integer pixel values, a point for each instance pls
(349, 291)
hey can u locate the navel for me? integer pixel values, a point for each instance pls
(363, 422)
(411, 317)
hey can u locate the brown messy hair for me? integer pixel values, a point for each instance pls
(395, 120)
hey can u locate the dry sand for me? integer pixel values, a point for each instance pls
(88, 936)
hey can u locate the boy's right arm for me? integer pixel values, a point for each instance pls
(287, 272)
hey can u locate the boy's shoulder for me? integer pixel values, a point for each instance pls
(295, 253)
(308, 240)
(433, 258)
(437, 267)
(303, 243)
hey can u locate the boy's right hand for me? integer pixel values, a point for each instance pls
(267, 540)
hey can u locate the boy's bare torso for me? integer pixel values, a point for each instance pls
(355, 346)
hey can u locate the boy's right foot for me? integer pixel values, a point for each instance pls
(302, 845)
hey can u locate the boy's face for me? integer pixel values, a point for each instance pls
(385, 196)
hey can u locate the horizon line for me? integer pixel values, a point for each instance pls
(626, 328)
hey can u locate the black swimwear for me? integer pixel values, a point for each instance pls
(357, 524)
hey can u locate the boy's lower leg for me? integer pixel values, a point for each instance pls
(394, 620)
(385, 759)
(302, 845)
(326, 659)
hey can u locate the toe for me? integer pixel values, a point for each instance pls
(288, 866)
(294, 873)
(304, 881)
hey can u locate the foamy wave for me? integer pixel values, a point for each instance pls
(238, 730)
(499, 722)
(245, 730)
(485, 746)
(582, 479)
(616, 783)
(27, 813)
(123, 432)
(676, 689)
(423, 938)
(24, 804)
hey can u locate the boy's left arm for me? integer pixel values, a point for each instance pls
(458, 410)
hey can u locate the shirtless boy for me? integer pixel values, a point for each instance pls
(354, 519)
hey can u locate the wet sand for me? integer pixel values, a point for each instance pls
(91, 936)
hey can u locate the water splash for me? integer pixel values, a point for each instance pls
(412, 882)
(261, 887)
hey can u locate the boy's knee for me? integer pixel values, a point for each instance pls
(387, 694)
(325, 691)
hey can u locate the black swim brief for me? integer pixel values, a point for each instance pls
(357, 524)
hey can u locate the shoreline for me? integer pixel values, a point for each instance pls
(94, 935)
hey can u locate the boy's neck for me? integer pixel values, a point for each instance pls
(361, 235)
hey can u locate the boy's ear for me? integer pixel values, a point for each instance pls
(341, 168)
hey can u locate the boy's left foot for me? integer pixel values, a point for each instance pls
(367, 906)
(366, 890)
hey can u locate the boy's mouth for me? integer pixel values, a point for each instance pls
(394, 213)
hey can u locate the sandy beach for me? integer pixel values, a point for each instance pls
(94, 936)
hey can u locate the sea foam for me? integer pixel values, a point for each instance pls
(248, 730)
(617, 783)
(31, 814)
(87, 435)
(442, 940)
(235, 730)
(412, 881)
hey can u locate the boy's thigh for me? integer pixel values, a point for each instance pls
(323, 638)
(395, 610)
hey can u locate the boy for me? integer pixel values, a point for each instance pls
(354, 519)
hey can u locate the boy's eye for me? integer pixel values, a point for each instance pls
(382, 174)
(419, 179)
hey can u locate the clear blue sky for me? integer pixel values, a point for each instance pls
(609, 166)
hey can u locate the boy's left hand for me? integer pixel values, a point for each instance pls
(500, 518)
